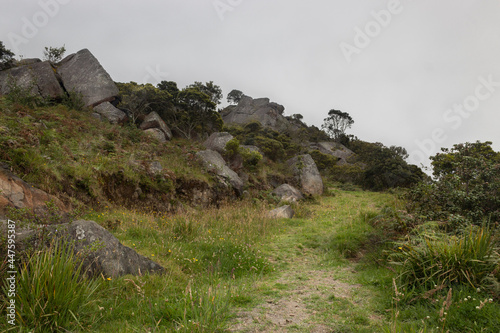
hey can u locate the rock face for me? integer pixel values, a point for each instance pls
(39, 77)
(284, 212)
(307, 174)
(218, 141)
(288, 193)
(269, 114)
(15, 192)
(335, 149)
(81, 72)
(153, 120)
(215, 163)
(157, 134)
(108, 256)
(112, 114)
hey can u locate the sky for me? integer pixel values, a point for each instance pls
(418, 74)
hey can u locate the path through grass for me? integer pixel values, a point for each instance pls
(315, 289)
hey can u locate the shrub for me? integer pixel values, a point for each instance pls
(54, 293)
(437, 259)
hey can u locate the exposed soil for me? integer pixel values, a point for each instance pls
(289, 309)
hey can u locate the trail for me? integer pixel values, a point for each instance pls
(308, 294)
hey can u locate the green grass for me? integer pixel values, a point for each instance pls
(68, 151)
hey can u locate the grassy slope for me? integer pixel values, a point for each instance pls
(83, 160)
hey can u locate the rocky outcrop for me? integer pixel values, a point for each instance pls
(82, 73)
(288, 193)
(334, 149)
(103, 253)
(38, 77)
(217, 141)
(269, 114)
(112, 114)
(284, 212)
(16, 193)
(215, 163)
(306, 173)
(154, 121)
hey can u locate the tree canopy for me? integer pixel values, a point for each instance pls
(234, 96)
(336, 123)
(6, 57)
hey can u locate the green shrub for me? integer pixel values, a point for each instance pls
(324, 162)
(430, 260)
(24, 96)
(54, 293)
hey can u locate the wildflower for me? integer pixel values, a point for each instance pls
(152, 255)
(428, 317)
(466, 299)
(109, 279)
(477, 307)
(400, 248)
(169, 251)
(478, 290)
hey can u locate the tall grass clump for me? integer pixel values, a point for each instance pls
(440, 259)
(53, 293)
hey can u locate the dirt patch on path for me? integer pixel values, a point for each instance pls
(291, 307)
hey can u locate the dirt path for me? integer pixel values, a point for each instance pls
(295, 301)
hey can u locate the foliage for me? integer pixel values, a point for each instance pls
(54, 292)
(140, 99)
(74, 101)
(24, 96)
(430, 260)
(234, 96)
(324, 162)
(54, 54)
(213, 91)
(385, 167)
(336, 123)
(6, 57)
(251, 159)
(467, 185)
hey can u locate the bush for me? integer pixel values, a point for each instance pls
(434, 260)
(54, 293)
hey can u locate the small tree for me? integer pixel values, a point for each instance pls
(6, 57)
(54, 54)
(234, 96)
(336, 123)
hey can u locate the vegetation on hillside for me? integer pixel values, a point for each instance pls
(423, 256)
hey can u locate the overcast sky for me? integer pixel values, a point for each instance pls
(419, 74)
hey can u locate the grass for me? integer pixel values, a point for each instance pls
(67, 151)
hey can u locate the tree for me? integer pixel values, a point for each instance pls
(140, 99)
(336, 123)
(6, 57)
(213, 91)
(234, 96)
(196, 112)
(467, 185)
(54, 54)
(169, 86)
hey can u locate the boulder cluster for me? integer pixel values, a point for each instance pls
(82, 74)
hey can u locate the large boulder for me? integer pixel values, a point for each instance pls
(103, 252)
(215, 163)
(82, 73)
(153, 120)
(341, 152)
(217, 141)
(38, 77)
(16, 193)
(284, 212)
(112, 114)
(288, 193)
(269, 114)
(306, 173)
(157, 134)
